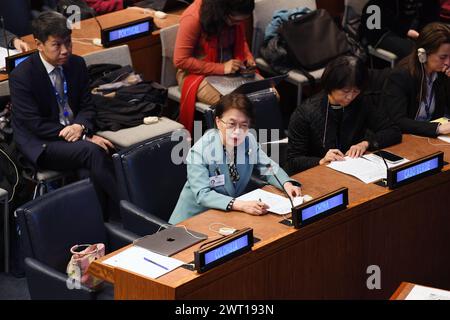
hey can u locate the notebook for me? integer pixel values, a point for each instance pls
(238, 84)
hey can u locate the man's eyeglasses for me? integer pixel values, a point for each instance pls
(234, 125)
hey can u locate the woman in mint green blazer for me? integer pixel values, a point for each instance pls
(220, 164)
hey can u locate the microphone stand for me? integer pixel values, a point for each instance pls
(293, 209)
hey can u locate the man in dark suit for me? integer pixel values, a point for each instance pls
(52, 109)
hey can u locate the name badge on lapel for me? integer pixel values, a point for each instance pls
(217, 181)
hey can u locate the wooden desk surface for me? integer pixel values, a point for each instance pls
(402, 291)
(82, 38)
(276, 237)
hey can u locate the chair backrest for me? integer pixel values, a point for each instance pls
(116, 55)
(4, 88)
(263, 13)
(352, 13)
(147, 175)
(50, 225)
(168, 71)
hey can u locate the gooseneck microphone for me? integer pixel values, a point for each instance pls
(380, 154)
(95, 41)
(269, 166)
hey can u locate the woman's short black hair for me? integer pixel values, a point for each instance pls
(235, 101)
(50, 23)
(344, 72)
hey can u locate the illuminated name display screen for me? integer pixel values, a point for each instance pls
(415, 170)
(322, 207)
(418, 169)
(13, 61)
(20, 60)
(226, 249)
(128, 32)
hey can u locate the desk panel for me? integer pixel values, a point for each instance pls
(404, 232)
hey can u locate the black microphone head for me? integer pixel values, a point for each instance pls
(376, 145)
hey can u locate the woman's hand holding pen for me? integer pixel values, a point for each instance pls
(255, 208)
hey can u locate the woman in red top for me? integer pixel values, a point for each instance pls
(210, 41)
(105, 6)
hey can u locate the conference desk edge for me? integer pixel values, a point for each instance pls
(402, 291)
(270, 246)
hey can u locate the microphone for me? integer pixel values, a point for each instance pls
(5, 35)
(269, 166)
(380, 154)
(97, 41)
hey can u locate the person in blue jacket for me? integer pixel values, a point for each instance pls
(221, 163)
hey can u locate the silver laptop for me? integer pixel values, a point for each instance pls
(170, 241)
(238, 84)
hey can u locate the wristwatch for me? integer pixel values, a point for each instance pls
(86, 132)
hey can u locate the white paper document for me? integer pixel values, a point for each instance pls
(4, 54)
(368, 168)
(426, 293)
(277, 204)
(445, 138)
(143, 262)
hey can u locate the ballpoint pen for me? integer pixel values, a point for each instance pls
(156, 264)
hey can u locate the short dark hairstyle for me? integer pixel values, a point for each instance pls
(214, 12)
(50, 23)
(235, 101)
(343, 72)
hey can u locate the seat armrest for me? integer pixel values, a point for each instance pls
(138, 220)
(46, 283)
(118, 237)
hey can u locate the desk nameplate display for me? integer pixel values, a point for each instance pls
(415, 170)
(13, 61)
(125, 32)
(320, 208)
(223, 250)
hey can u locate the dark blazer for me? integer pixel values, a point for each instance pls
(400, 100)
(399, 16)
(35, 112)
(362, 120)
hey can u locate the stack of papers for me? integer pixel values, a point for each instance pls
(143, 262)
(426, 293)
(277, 204)
(368, 168)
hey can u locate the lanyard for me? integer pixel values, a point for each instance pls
(428, 103)
(62, 101)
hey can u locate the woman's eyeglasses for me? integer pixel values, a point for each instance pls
(233, 125)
